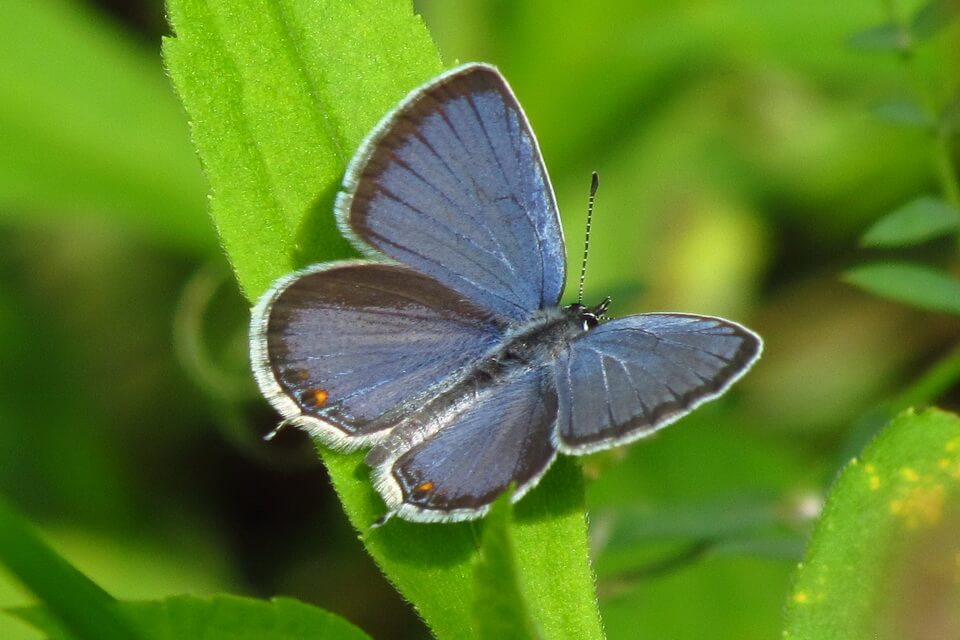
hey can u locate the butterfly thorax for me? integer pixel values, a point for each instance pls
(542, 337)
(531, 345)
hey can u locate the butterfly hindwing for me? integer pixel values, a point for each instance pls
(628, 377)
(505, 437)
(452, 184)
(339, 345)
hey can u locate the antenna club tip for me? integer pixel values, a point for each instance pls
(594, 183)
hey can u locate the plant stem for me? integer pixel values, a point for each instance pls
(934, 382)
(947, 170)
(923, 391)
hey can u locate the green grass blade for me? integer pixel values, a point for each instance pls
(882, 563)
(280, 95)
(219, 617)
(75, 600)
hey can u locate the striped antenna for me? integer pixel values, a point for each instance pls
(594, 184)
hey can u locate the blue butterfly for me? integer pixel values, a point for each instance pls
(446, 351)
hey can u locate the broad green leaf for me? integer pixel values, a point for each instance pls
(76, 601)
(884, 37)
(934, 16)
(91, 129)
(902, 112)
(220, 617)
(917, 221)
(280, 95)
(883, 561)
(500, 607)
(911, 284)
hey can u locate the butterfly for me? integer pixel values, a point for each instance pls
(446, 351)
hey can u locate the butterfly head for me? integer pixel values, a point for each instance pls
(589, 316)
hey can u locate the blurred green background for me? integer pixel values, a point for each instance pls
(739, 164)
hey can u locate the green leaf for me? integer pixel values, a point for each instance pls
(882, 562)
(432, 564)
(91, 129)
(934, 16)
(280, 94)
(902, 112)
(74, 599)
(884, 37)
(909, 283)
(220, 617)
(917, 221)
(500, 608)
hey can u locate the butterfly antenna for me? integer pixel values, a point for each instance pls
(594, 184)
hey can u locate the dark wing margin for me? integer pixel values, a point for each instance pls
(452, 183)
(506, 436)
(338, 345)
(631, 376)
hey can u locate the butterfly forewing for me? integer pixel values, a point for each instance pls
(630, 376)
(345, 343)
(452, 184)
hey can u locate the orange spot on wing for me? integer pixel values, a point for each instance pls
(424, 487)
(316, 397)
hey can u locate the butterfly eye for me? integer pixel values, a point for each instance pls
(590, 321)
